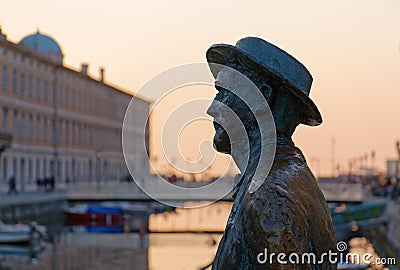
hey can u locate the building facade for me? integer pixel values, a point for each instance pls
(393, 168)
(64, 123)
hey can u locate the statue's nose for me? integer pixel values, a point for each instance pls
(213, 109)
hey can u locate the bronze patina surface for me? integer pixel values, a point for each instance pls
(288, 213)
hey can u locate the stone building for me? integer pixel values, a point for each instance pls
(64, 123)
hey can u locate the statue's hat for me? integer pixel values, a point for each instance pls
(278, 66)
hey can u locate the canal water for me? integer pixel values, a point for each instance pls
(186, 239)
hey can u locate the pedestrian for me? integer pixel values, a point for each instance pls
(46, 184)
(12, 187)
(52, 183)
(38, 184)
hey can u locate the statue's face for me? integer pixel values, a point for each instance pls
(221, 139)
(226, 104)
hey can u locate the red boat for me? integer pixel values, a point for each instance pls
(89, 213)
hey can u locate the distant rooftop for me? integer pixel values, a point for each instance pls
(43, 44)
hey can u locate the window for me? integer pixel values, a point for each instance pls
(22, 128)
(5, 77)
(66, 132)
(73, 133)
(53, 130)
(22, 83)
(45, 129)
(14, 80)
(45, 90)
(66, 96)
(30, 86)
(59, 130)
(53, 94)
(78, 131)
(30, 125)
(15, 123)
(38, 127)
(60, 95)
(5, 119)
(73, 99)
(90, 170)
(38, 88)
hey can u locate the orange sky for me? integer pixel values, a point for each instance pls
(351, 48)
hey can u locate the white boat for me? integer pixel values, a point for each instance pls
(21, 233)
(15, 238)
(20, 250)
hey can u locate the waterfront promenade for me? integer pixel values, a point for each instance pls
(31, 198)
(30, 204)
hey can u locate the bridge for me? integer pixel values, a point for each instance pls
(189, 191)
(130, 191)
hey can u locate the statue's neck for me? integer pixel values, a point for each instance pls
(283, 140)
(240, 157)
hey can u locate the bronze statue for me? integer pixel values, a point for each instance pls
(288, 212)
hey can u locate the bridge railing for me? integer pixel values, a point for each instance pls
(131, 191)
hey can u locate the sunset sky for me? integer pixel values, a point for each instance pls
(352, 49)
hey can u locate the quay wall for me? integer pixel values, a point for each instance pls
(20, 207)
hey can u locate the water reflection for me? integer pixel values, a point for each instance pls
(211, 218)
(86, 248)
(362, 246)
(186, 239)
(187, 251)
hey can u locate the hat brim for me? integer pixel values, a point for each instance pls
(231, 56)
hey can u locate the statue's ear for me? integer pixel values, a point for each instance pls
(268, 93)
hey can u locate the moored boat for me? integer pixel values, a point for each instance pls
(94, 213)
(15, 238)
(21, 234)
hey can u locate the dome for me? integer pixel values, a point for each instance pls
(43, 44)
